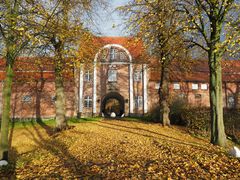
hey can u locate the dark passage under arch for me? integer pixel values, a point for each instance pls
(112, 102)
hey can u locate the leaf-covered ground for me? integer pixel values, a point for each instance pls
(111, 149)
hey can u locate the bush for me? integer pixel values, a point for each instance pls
(176, 108)
(197, 120)
(154, 114)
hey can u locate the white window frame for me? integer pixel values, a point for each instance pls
(204, 86)
(88, 76)
(113, 54)
(182, 96)
(122, 56)
(157, 85)
(176, 86)
(112, 75)
(54, 98)
(195, 86)
(26, 99)
(88, 102)
(138, 101)
(137, 76)
(229, 103)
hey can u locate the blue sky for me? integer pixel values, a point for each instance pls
(108, 18)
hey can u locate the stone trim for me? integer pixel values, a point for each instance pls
(131, 100)
(80, 103)
(95, 89)
(145, 89)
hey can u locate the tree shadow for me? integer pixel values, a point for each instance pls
(49, 130)
(60, 149)
(9, 171)
(147, 133)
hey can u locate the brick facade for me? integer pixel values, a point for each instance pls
(119, 72)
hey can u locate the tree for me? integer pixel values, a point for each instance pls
(61, 37)
(157, 24)
(15, 36)
(212, 25)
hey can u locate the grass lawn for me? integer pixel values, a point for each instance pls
(114, 149)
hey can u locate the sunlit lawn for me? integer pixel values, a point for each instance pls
(113, 149)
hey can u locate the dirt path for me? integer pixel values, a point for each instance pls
(118, 150)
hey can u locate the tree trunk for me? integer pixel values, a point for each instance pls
(218, 136)
(164, 96)
(7, 89)
(61, 122)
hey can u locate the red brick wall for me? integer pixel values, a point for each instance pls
(229, 89)
(41, 103)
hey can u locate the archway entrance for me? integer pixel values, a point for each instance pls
(112, 102)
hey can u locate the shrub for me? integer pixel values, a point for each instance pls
(176, 108)
(197, 120)
(154, 114)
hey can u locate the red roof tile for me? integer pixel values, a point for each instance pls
(32, 68)
(199, 71)
(133, 45)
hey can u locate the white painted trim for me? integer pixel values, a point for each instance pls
(145, 89)
(30, 71)
(1, 98)
(80, 103)
(131, 100)
(113, 45)
(95, 89)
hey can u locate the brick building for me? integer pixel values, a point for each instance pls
(120, 80)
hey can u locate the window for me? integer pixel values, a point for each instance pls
(194, 86)
(231, 101)
(122, 56)
(198, 99)
(112, 75)
(176, 86)
(204, 86)
(157, 85)
(54, 98)
(87, 102)
(27, 99)
(104, 54)
(182, 96)
(113, 54)
(198, 96)
(87, 76)
(138, 101)
(137, 76)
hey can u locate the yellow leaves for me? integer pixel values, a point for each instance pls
(20, 29)
(94, 150)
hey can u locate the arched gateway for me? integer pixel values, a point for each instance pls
(112, 102)
(116, 81)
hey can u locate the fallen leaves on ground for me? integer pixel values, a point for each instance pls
(116, 150)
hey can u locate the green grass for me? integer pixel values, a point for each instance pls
(18, 124)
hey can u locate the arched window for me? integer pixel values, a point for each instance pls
(113, 54)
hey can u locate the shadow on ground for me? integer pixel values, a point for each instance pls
(65, 160)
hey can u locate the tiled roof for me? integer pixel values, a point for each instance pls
(133, 45)
(33, 68)
(199, 72)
